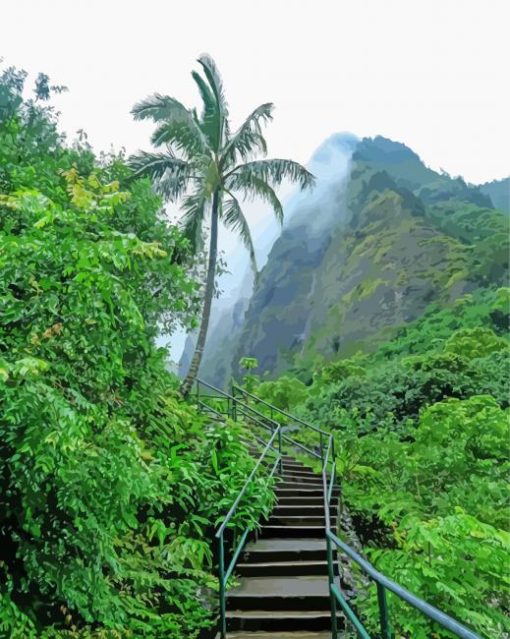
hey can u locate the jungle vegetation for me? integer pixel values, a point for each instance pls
(422, 433)
(111, 484)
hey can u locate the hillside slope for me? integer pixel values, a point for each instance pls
(401, 237)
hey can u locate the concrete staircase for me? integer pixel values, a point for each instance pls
(283, 592)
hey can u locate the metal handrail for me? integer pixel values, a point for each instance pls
(209, 408)
(294, 419)
(200, 382)
(279, 410)
(236, 401)
(260, 415)
(233, 508)
(307, 450)
(382, 582)
(226, 571)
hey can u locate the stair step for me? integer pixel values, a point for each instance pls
(290, 549)
(303, 479)
(298, 493)
(300, 485)
(299, 509)
(300, 472)
(295, 465)
(301, 501)
(283, 545)
(299, 466)
(280, 620)
(285, 614)
(281, 593)
(277, 635)
(303, 511)
(297, 520)
(271, 531)
(293, 490)
(297, 567)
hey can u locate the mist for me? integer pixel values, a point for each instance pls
(330, 164)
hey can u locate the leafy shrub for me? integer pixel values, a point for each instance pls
(284, 393)
(421, 433)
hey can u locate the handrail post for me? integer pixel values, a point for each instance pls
(383, 612)
(322, 450)
(223, 605)
(280, 448)
(331, 581)
(329, 549)
(234, 401)
(337, 481)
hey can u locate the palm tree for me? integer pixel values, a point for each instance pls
(206, 167)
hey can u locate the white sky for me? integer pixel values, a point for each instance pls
(430, 73)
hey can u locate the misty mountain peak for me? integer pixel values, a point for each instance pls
(337, 142)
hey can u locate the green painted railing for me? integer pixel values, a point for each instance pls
(323, 436)
(382, 583)
(234, 408)
(236, 404)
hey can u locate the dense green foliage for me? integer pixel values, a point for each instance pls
(422, 431)
(110, 486)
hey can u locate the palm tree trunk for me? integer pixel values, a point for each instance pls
(206, 310)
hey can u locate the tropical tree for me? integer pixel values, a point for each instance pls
(208, 169)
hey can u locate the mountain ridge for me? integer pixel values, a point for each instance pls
(397, 237)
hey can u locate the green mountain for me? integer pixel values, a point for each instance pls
(401, 238)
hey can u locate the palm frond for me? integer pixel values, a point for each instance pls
(208, 121)
(248, 138)
(180, 136)
(169, 175)
(216, 85)
(251, 186)
(276, 170)
(233, 218)
(176, 124)
(159, 108)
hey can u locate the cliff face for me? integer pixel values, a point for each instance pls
(222, 340)
(499, 193)
(367, 256)
(307, 219)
